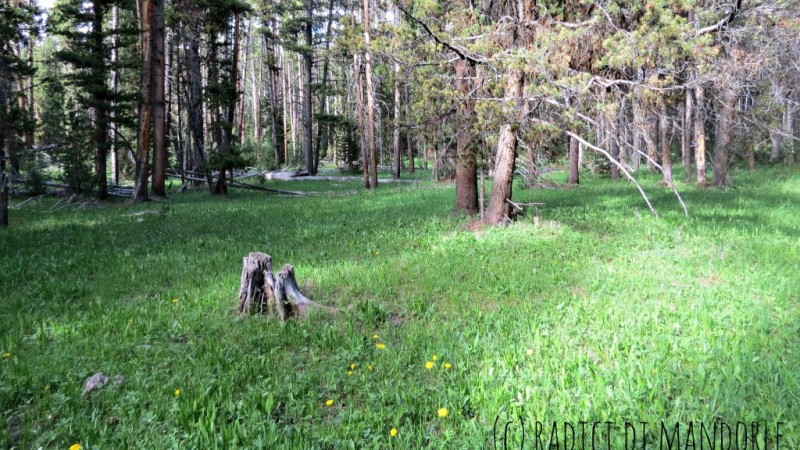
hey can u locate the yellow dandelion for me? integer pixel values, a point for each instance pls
(447, 365)
(177, 392)
(174, 300)
(369, 366)
(6, 355)
(442, 412)
(329, 403)
(393, 432)
(429, 365)
(349, 373)
(380, 346)
(375, 336)
(434, 357)
(353, 366)
(75, 447)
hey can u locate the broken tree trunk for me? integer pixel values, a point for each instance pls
(263, 292)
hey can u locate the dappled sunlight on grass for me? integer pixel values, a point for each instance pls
(588, 308)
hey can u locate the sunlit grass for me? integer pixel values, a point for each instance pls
(588, 309)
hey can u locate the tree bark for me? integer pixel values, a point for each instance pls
(115, 76)
(194, 92)
(686, 138)
(666, 153)
(466, 164)
(370, 93)
(574, 163)
(100, 103)
(145, 15)
(308, 64)
(499, 208)
(724, 137)
(260, 291)
(700, 137)
(158, 102)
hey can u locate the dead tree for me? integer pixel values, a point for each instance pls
(263, 292)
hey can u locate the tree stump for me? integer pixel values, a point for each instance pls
(262, 292)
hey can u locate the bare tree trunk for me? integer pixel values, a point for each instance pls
(324, 131)
(159, 120)
(5, 88)
(499, 208)
(114, 89)
(396, 126)
(409, 143)
(194, 93)
(666, 153)
(700, 137)
(370, 93)
(574, 162)
(308, 60)
(255, 100)
(466, 164)
(145, 15)
(617, 138)
(723, 137)
(686, 138)
(363, 132)
(100, 110)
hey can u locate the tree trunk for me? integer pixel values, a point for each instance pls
(466, 164)
(360, 118)
(115, 75)
(686, 138)
(396, 126)
(308, 60)
(260, 291)
(160, 159)
(723, 137)
(100, 108)
(4, 181)
(499, 208)
(666, 153)
(194, 93)
(323, 103)
(574, 164)
(370, 93)
(145, 16)
(700, 137)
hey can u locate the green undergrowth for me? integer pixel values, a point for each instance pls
(588, 308)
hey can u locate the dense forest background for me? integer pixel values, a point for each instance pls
(101, 94)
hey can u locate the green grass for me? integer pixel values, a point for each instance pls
(586, 309)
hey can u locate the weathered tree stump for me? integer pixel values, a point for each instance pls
(263, 292)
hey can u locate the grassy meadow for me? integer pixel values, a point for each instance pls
(586, 309)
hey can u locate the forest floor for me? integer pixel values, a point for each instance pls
(586, 309)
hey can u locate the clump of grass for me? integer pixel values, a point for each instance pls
(586, 309)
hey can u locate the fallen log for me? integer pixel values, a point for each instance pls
(261, 292)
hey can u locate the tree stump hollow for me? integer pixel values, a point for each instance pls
(263, 292)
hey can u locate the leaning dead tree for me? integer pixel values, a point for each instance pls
(263, 292)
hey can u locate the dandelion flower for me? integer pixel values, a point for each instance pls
(369, 366)
(329, 403)
(352, 366)
(442, 412)
(434, 357)
(6, 355)
(429, 365)
(177, 392)
(375, 336)
(447, 365)
(349, 373)
(75, 447)
(380, 346)
(174, 300)
(393, 432)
